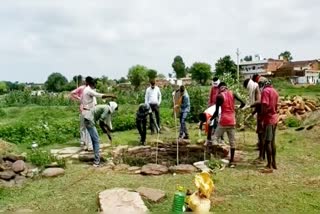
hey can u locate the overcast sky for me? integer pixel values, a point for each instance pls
(96, 37)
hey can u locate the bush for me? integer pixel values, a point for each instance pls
(21, 98)
(43, 158)
(2, 113)
(292, 122)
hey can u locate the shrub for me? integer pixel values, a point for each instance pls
(43, 158)
(2, 113)
(292, 122)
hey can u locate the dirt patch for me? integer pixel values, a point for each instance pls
(314, 181)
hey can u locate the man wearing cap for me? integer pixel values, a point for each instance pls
(153, 99)
(103, 116)
(269, 105)
(226, 101)
(214, 91)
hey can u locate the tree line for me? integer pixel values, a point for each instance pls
(200, 72)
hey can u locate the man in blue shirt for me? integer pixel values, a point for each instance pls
(184, 104)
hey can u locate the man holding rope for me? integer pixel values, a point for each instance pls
(226, 101)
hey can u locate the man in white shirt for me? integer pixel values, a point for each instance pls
(153, 99)
(88, 103)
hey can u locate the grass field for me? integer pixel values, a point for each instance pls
(292, 188)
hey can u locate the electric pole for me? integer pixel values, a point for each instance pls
(238, 69)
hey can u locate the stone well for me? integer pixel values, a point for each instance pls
(167, 153)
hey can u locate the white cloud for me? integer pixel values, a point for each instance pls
(107, 37)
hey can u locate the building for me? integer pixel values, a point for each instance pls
(300, 72)
(263, 67)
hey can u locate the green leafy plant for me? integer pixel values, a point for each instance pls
(292, 122)
(43, 158)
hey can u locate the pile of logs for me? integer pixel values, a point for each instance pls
(297, 107)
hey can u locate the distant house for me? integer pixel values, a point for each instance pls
(263, 67)
(300, 72)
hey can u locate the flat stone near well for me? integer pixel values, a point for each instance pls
(153, 195)
(121, 167)
(202, 166)
(154, 169)
(69, 150)
(183, 169)
(52, 172)
(119, 200)
(133, 168)
(119, 150)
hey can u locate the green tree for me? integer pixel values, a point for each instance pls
(179, 67)
(56, 82)
(286, 55)
(161, 76)
(78, 79)
(152, 74)
(247, 58)
(3, 88)
(201, 72)
(137, 74)
(226, 65)
(122, 80)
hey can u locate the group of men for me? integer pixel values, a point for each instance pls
(220, 116)
(152, 105)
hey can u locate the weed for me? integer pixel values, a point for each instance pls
(42, 158)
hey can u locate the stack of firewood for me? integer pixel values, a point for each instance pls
(297, 107)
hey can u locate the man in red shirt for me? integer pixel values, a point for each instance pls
(214, 91)
(226, 101)
(269, 105)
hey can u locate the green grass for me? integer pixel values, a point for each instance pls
(292, 188)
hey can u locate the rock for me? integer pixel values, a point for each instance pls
(19, 180)
(182, 169)
(105, 146)
(133, 168)
(121, 167)
(138, 148)
(166, 129)
(64, 156)
(23, 211)
(7, 175)
(121, 201)
(18, 166)
(155, 141)
(154, 169)
(153, 195)
(32, 172)
(88, 157)
(51, 165)
(202, 166)
(69, 150)
(13, 157)
(2, 167)
(55, 151)
(75, 157)
(201, 141)
(119, 150)
(8, 164)
(52, 172)
(4, 183)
